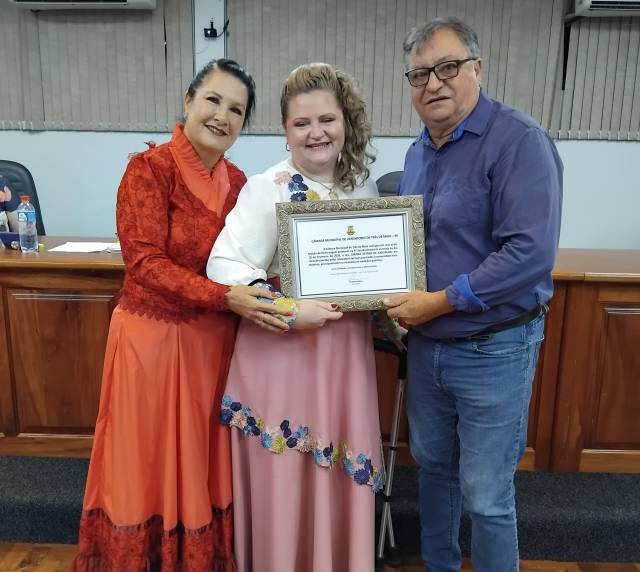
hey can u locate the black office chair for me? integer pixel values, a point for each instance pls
(21, 182)
(388, 184)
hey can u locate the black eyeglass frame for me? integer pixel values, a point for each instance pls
(433, 70)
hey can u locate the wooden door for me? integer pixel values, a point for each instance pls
(55, 341)
(597, 414)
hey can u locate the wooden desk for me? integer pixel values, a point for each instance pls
(54, 318)
(593, 384)
(585, 407)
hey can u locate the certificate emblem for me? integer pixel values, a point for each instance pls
(350, 230)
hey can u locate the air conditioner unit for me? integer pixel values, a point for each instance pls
(607, 8)
(85, 4)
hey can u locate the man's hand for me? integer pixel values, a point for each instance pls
(414, 308)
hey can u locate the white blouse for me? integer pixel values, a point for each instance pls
(247, 247)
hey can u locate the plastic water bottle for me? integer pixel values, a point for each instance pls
(27, 225)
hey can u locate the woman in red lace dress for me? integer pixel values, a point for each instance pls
(158, 494)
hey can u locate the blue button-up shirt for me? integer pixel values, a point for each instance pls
(492, 204)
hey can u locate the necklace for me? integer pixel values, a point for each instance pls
(329, 187)
(332, 194)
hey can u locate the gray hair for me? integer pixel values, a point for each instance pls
(420, 35)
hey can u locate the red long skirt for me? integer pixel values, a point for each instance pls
(158, 494)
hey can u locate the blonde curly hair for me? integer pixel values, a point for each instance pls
(351, 167)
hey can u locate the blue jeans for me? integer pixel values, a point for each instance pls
(467, 404)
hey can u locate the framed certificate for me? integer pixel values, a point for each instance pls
(352, 252)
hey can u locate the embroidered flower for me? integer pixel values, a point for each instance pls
(297, 184)
(298, 197)
(279, 444)
(305, 445)
(281, 438)
(327, 453)
(378, 481)
(237, 420)
(348, 466)
(298, 188)
(361, 477)
(282, 178)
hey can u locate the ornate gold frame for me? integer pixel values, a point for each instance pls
(409, 205)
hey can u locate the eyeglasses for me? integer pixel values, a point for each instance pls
(443, 70)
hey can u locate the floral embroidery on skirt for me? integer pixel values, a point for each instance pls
(280, 438)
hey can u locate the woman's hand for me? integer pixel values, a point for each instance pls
(243, 300)
(313, 314)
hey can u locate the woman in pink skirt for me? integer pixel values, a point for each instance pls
(302, 405)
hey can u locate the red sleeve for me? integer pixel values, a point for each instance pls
(143, 221)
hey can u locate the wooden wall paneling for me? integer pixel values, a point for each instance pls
(614, 416)
(7, 417)
(574, 377)
(58, 340)
(616, 419)
(598, 405)
(63, 279)
(47, 445)
(538, 452)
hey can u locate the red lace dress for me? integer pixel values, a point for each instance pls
(158, 494)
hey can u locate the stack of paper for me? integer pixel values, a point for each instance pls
(87, 247)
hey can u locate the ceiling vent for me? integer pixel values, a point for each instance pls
(85, 4)
(607, 9)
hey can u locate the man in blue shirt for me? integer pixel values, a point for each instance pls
(491, 179)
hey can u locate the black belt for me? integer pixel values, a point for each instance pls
(518, 320)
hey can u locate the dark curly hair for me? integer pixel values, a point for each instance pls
(351, 167)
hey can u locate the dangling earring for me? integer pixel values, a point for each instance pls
(286, 146)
